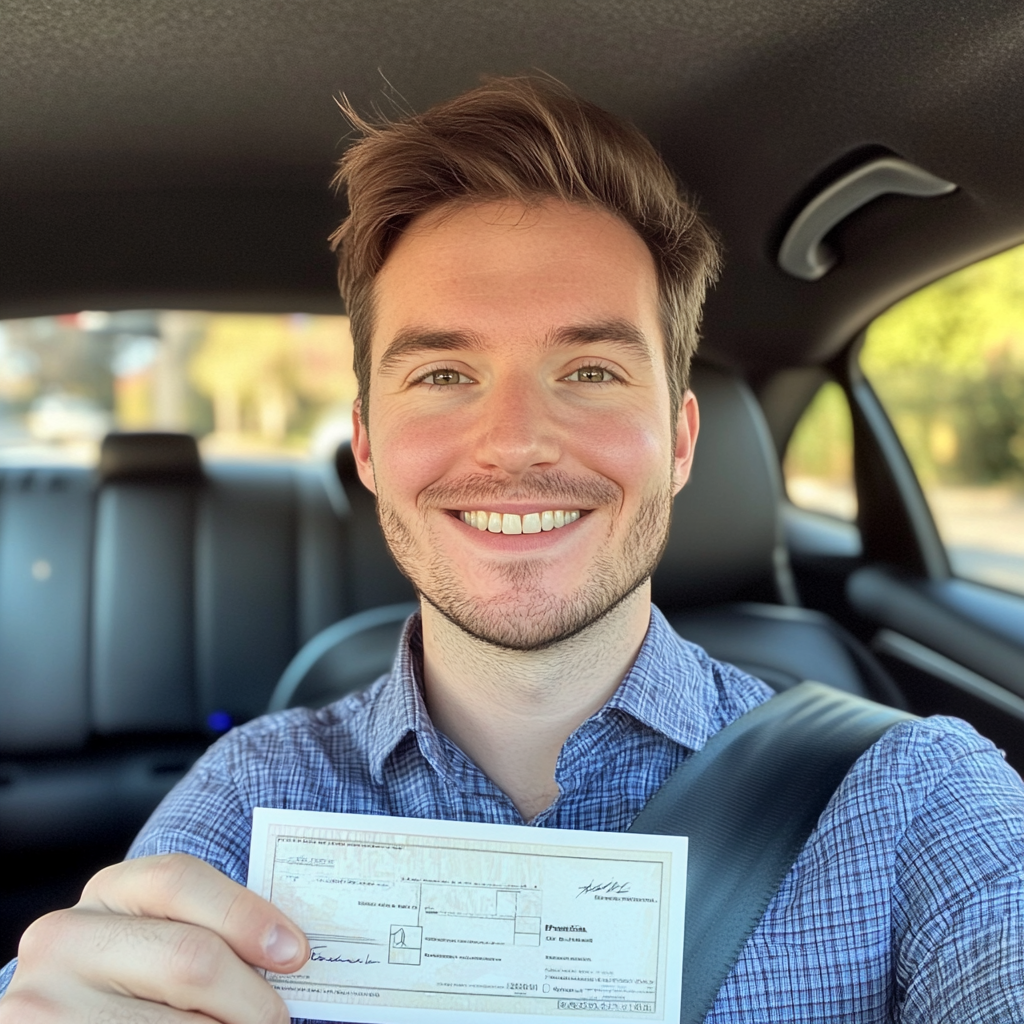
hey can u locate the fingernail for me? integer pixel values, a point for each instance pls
(281, 945)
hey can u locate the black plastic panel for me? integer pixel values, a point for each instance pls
(970, 624)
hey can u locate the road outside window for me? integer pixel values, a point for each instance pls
(948, 365)
(247, 385)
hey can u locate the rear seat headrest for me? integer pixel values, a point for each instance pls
(150, 456)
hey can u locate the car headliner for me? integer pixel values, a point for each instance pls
(178, 154)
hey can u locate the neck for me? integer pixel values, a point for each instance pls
(512, 711)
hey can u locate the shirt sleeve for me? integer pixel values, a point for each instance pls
(5, 976)
(208, 813)
(959, 900)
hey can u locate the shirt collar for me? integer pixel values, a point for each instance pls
(671, 688)
(399, 708)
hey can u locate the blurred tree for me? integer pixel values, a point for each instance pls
(323, 359)
(273, 374)
(948, 364)
(822, 444)
(956, 325)
(245, 358)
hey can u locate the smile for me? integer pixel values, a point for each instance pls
(508, 522)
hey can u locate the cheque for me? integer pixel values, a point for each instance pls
(413, 921)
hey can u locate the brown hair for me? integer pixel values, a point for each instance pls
(524, 139)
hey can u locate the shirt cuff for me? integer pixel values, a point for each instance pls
(6, 974)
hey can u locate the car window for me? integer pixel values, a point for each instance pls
(818, 466)
(948, 365)
(247, 385)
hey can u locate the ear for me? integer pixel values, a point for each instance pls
(687, 427)
(361, 447)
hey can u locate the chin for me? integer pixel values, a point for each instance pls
(531, 621)
(513, 605)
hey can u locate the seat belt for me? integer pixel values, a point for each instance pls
(748, 801)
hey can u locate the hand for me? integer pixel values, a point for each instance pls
(155, 940)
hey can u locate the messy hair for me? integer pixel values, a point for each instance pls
(524, 139)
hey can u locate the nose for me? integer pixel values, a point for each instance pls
(516, 430)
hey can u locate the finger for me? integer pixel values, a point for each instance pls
(182, 966)
(181, 888)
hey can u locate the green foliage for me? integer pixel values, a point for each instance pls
(273, 375)
(948, 365)
(822, 444)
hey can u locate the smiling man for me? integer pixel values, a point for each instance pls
(524, 450)
(525, 279)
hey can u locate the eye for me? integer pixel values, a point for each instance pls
(443, 377)
(592, 375)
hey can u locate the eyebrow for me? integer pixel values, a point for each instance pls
(620, 332)
(416, 340)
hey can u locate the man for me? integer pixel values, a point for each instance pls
(524, 279)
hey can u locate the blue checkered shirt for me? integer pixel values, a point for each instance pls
(906, 904)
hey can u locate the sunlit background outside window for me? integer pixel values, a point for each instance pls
(948, 365)
(819, 458)
(246, 385)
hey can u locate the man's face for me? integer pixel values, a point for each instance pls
(518, 373)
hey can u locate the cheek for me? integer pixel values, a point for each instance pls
(632, 451)
(415, 450)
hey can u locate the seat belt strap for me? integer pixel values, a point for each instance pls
(748, 801)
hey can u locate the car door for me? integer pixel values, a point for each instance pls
(917, 539)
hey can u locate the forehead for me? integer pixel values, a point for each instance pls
(497, 268)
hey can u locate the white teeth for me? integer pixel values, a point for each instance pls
(510, 523)
(531, 522)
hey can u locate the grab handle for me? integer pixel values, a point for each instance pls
(803, 253)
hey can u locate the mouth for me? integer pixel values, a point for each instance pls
(511, 523)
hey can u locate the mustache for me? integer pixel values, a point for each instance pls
(553, 487)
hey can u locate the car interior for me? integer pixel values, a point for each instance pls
(178, 157)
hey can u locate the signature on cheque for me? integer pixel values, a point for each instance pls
(607, 887)
(314, 955)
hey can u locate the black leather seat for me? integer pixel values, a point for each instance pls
(145, 607)
(724, 581)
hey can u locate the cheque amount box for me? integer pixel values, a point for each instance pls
(419, 922)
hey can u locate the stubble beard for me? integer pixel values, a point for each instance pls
(527, 616)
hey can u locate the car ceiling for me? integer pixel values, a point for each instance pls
(179, 154)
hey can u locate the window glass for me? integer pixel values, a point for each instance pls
(246, 385)
(948, 365)
(818, 466)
